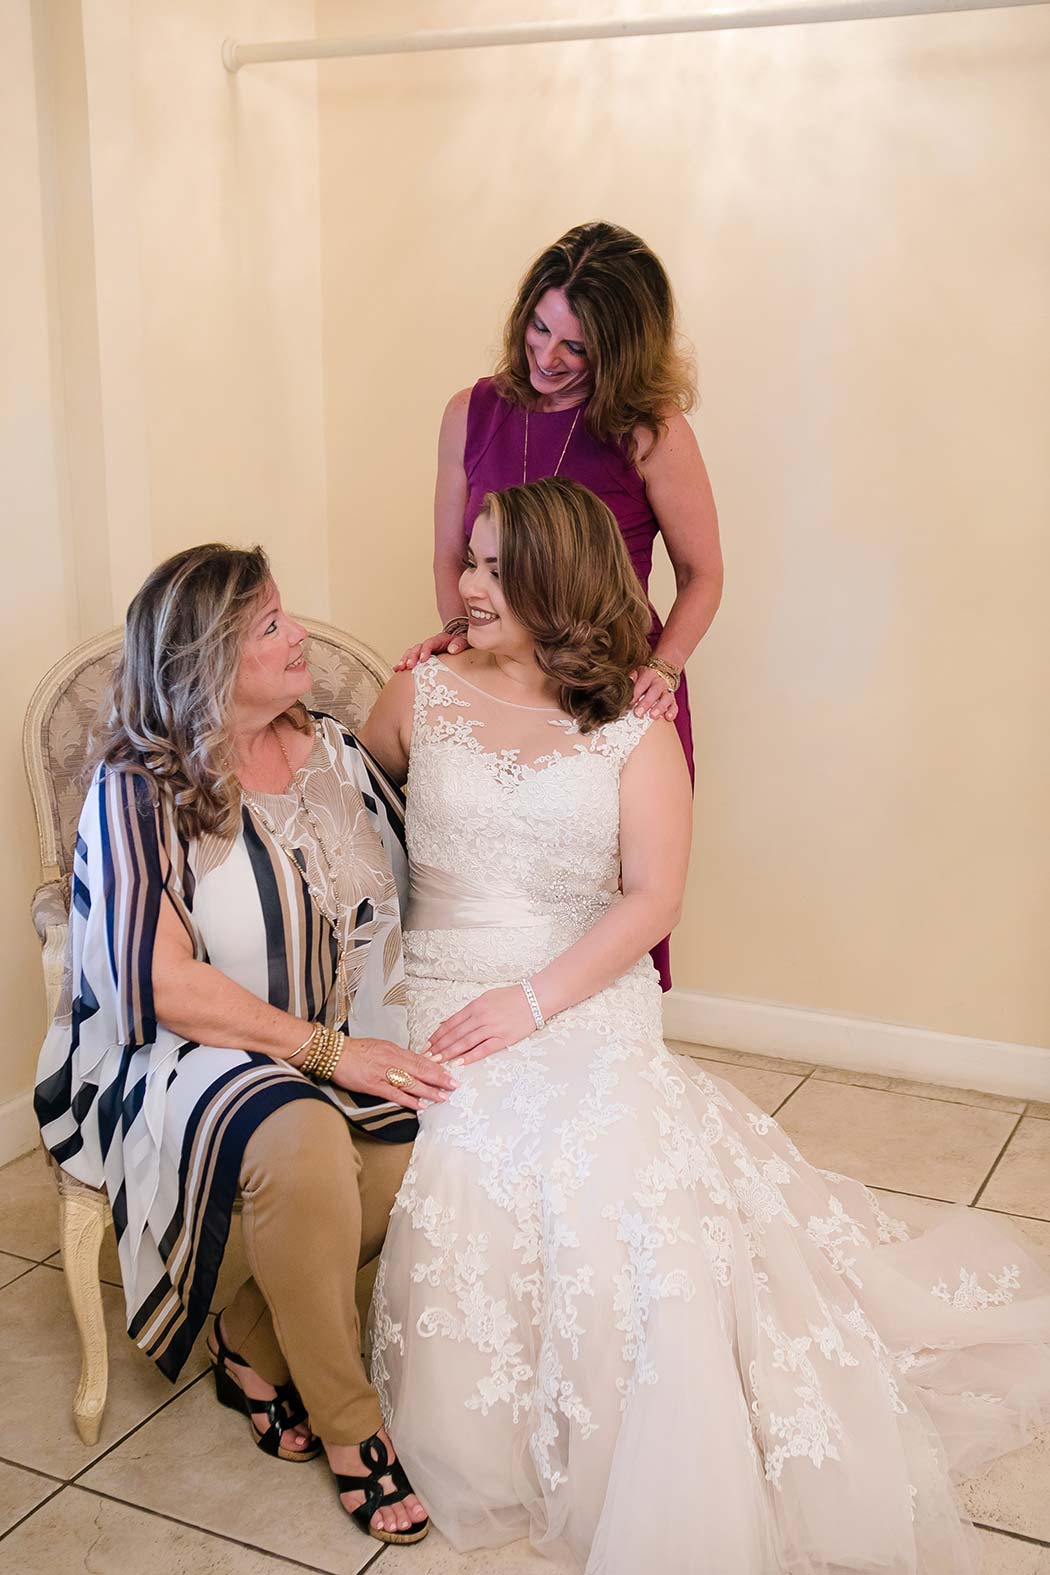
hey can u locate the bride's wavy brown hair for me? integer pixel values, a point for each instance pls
(567, 578)
(169, 711)
(621, 294)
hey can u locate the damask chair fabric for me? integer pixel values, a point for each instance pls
(348, 676)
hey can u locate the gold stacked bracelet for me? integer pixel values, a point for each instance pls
(671, 675)
(324, 1049)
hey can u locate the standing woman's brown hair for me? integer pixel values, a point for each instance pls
(620, 292)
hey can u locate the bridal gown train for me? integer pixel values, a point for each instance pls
(618, 1312)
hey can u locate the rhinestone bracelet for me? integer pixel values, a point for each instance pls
(534, 1005)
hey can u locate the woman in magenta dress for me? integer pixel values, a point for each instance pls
(591, 385)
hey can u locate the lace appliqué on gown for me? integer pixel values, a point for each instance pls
(617, 1310)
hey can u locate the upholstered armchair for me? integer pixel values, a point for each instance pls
(348, 676)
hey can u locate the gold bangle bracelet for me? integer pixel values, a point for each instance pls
(307, 1042)
(671, 675)
(316, 1051)
(324, 1052)
(328, 1057)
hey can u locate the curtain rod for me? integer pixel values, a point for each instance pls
(235, 55)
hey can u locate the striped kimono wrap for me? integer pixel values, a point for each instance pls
(160, 1122)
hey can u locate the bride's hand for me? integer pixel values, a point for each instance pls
(452, 643)
(364, 1064)
(495, 1020)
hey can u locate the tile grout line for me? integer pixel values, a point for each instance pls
(26, 1258)
(58, 1268)
(923, 1197)
(205, 1531)
(20, 1275)
(781, 1067)
(995, 1163)
(1016, 1536)
(1011, 1214)
(985, 1208)
(48, 1476)
(60, 1487)
(800, 1084)
(933, 1099)
(844, 1081)
(75, 1479)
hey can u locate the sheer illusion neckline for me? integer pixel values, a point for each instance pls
(317, 757)
(537, 710)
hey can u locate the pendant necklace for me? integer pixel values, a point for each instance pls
(568, 440)
(328, 859)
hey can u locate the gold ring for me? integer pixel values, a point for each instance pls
(398, 1077)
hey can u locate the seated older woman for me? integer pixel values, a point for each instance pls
(236, 1015)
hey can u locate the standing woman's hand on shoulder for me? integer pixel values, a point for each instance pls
(434, 646)
(653, 693)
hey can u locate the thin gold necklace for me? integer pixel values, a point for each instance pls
(568, 440)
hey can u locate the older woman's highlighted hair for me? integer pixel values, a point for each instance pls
(622, 296)
(169, 713)
(568, 580)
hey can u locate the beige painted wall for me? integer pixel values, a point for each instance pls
(35, 613)
(859, 232)
(227, 314)
(162, 344)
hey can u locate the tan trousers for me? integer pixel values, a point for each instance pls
(317, 1201)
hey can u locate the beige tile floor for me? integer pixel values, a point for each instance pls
(174, 1488)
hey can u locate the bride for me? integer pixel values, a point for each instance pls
(617, 1311)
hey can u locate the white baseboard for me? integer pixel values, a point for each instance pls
(18, 1129)
(858, 1044)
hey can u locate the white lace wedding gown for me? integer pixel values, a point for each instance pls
(617, 1310)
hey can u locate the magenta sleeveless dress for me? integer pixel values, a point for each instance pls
(492, 459)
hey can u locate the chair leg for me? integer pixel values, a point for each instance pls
(83, 1222)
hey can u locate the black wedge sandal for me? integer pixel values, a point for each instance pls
(284, 1411)
(374, 1453)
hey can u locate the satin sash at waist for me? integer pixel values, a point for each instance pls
(442, 900)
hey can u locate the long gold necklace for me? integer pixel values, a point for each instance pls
(328, 859)
(568, 440)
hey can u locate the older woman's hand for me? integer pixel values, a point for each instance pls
(492, 1022)
(652, 695)
(452, 643)
(364, 1064)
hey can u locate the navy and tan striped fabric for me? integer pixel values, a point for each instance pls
(160, 1122)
